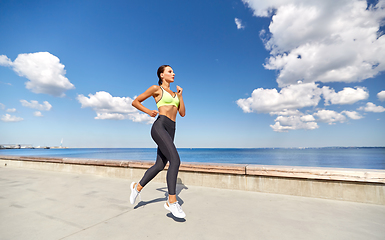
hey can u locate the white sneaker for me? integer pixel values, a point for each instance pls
(134, 193)
(175, 209)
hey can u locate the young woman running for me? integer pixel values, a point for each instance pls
(163, 130)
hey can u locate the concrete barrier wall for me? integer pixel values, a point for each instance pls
(357, 185)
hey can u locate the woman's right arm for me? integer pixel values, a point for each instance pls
(137, 103)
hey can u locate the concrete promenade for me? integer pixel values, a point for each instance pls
(356, 185)
(38, 204)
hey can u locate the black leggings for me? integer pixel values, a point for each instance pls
(162, 132)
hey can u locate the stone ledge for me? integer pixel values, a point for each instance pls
(332, 174)
(237, 169)
(337, 174)
(95, 162)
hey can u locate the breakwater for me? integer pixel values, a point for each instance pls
(357, 185)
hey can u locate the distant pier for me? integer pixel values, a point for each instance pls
(25, 146)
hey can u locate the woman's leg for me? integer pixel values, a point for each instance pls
(163, 132)
(168, 150)
(159, 165)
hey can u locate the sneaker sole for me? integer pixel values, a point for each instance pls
(167, 208)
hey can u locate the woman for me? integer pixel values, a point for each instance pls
(162, 132)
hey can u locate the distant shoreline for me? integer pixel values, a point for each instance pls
(4, 147)
(345, 157)
(28, 147)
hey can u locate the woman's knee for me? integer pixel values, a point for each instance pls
(175, 163)
(159, 166)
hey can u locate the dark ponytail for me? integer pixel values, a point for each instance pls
(161, 70)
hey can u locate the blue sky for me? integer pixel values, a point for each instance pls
(254, 73)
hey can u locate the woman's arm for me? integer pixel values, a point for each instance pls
(182, 108)
(137, 103)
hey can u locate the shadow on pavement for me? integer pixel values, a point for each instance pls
(175, 218)
(179, 188)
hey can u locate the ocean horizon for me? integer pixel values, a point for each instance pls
(332, 157)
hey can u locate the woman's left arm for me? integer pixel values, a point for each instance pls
(182, 108)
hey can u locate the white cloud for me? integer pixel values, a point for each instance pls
(11, 110)
(287, 112)
(5, 61)
(346, 96)
(38, 114)
(9, 118)
(298, 120)
(286, 103)
(283, 124)
(381, 96)
(2, 106)
(290, 97)
(329, 116)
(46, 106)
(326, 41)
(312, 41)
(43, 70)
(109, 107)
(238, 22)
(371, 107)
(307, 118)
(352, 114)
(139, 117)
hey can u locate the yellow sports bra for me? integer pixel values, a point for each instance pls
(168, 99)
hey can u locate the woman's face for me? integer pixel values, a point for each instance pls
(168, 74)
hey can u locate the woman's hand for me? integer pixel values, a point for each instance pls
(153, 113)
(179, 91)
(181, 109)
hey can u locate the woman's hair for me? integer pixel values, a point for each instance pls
(161, 70)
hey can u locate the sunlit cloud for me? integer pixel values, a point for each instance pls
(288, 100)
(9, 118)
(295, 122)
(353, 114)
(5, 61)
(325, 41)
(11, 110)
(346, 96)
(37, 114)
(371, 107)
(43, 70)
(115, 108)
(291, 97)
(46, 106)
(238, 22)
(330, 117)
(313, 43)
(381, 96)
(297, 96)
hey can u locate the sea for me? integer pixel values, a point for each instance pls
(331, 157)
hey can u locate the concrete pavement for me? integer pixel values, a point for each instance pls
(36, 204)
